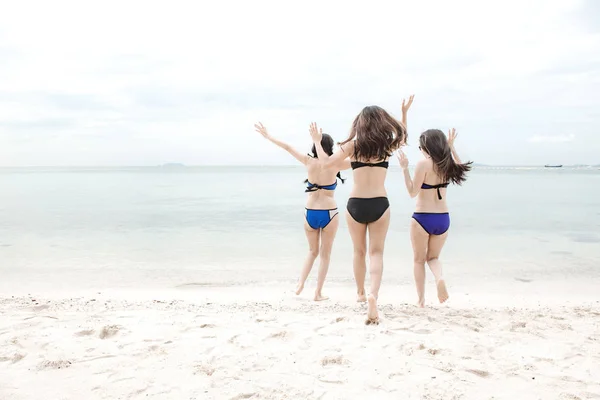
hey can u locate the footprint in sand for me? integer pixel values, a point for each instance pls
(109, 331)
(335, 360)
(517, 325)
(569, 396)
(279, 335)
(59, 364)
(86, 332)
(242, 396)
(480, 373)
(444, 367)
(205, 369)
(14, 359)
(232, 339)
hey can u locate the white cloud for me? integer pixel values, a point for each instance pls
(140, 82)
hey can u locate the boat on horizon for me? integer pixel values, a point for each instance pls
(553, 166)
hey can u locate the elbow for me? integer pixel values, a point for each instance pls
(413, 194)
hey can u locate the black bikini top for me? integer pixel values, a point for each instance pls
(438, 187)
(360, 164)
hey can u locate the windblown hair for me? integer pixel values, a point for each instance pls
(327, 144)
(377, 134)
(435, 143)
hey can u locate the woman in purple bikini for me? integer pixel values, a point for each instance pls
(431, 220)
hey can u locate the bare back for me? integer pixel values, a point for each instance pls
(427, 199)
(369, 181)
(321, 175)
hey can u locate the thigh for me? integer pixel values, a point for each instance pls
(436, 243)
(328, 233)
(378, 232)
(419, 239)
(312, 235)
(358, 232)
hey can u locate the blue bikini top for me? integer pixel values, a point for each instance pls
(438, 187)
(313, 187)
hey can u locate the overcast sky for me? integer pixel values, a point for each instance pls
(144, 83)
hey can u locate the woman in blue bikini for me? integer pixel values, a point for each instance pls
(320, 223)
(431, 220)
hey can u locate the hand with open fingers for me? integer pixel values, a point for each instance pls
(316, 133)
(260, 128)
(402, 159)
(452, 136)
(406, 105)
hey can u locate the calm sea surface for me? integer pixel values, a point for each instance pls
(129, 227)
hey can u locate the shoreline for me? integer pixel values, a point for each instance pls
(526, 294)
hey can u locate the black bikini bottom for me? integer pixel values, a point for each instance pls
(366, 211)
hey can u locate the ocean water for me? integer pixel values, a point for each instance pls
(171, 227)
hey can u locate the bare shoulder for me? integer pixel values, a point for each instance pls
(425, 163)
(348, 147)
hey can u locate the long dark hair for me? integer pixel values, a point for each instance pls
(434, 143)
(327, 144)
(377, 134)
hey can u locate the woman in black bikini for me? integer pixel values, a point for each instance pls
(374, 136)
(320, 223)
(431, 220)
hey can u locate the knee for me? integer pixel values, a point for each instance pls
(431, 258)
(375, 252)
(360, 252)
(313, 252)
(419, 260)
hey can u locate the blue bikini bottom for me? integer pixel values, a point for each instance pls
(433, 223)
(319, 219)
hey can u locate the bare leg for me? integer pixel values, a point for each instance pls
(419, 239)
(327, 237)
(436, 243)
(312, 236)
(377, 233)
(358, 233)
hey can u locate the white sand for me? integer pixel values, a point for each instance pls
(261, 343)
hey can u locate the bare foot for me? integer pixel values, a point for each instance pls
(299, 288)
(442, 291)
(362, 298)
(372, 314)
(320, 297)
(421, 303)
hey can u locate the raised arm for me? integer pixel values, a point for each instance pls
(451, 137)
(413, 186)
(303, 158)
(405, 108)
(317, 134)
(338, 158)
